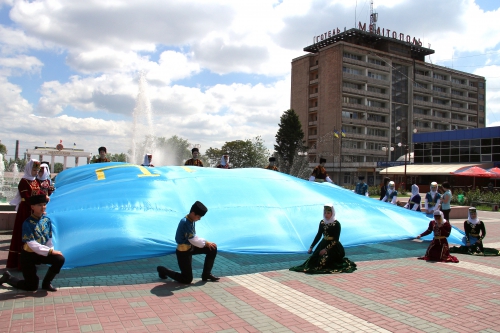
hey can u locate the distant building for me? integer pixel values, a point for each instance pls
(378, 90)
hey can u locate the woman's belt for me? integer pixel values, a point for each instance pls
(183, 247)
(439, 237)
(328, 238)
(474, 235)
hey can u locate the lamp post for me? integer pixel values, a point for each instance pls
(387, 149)
(406, 146)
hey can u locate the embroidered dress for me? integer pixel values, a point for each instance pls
(333, 261)
(26, 189)
(474, 235)
(273, 168)
(361, 188)
(438, 250)
(194, 162)
(38, 230)
(102, 160)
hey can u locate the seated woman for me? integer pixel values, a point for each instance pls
(475, 232)
(438, 250)
(415, 199)
(329, 254)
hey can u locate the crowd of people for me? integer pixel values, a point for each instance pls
(31, 242)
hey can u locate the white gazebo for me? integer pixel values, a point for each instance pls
(58, 151)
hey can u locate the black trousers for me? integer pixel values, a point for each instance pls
(185, 261)
(29, 260)
(446, 213)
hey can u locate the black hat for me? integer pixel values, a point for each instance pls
(48, 164)
(199, 209)
(195, 149)
(321, 160)
(39, 198)
(102, 148)
(272, 159)
(361, 177)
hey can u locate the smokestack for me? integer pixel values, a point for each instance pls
(16, 156)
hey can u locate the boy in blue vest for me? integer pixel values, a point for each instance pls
(189, 244)
(362, 187)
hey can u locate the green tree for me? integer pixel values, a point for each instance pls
(58, 167)
(289, 140)
(250, 153)
(3, 150)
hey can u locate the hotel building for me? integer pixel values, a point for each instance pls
(361, 95)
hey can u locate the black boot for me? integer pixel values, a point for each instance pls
(46, 283)
(207, 269)
(5, 277)
(209, 276)
(162, 272)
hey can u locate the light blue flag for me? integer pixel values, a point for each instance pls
(117, 211)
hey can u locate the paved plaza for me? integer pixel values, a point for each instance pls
(391, 291)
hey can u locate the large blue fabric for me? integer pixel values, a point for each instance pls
(110, 212)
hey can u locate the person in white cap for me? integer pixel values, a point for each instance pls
(432, 199)
(438, 249)
(391, 196)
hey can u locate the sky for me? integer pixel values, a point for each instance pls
(215, 71)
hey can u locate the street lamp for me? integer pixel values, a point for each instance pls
(387, 149)
(404, 138)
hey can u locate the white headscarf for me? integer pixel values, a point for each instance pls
(414, 190)
(331, 219)
(146, 160)
(433, 193)
(46, 173)
(223, 161)
(27, 170)
(391, 184)
(472, 221)
(442, 216)
(27, 175)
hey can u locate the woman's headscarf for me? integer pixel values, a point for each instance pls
(331, 219)
(414, 190)
(473, 221)
(223, 161)
(435, 185)
(146, 160)
(46, 173)
(441, 214)
(389, 189)
(32, 164)
(27, 175)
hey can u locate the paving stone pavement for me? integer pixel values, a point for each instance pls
(391, 291)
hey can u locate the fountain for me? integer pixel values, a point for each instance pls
(8, 182)
(142, 124)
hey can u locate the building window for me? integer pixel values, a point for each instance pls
(459, 81)
(481, 107)
(376, 104)
(376, 117)
(377, 132)
(352, 56)
(439, 76)
(421, 72)
(420, 111)
(352, 144)
(347, 178)
(375, 146)
(457, 92)
(353, 130)
(351, 100)
(350, 70)
(481, 85)
(440, 101)
(352, 85)
(458, 117)
(421, 98)
(376, 62)
(481, 97)
(441, 114)
(441, 127)
(376, 76)
(457, 105)
(376, 90)
(352, 115)
(439, 89)
(420, 85)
